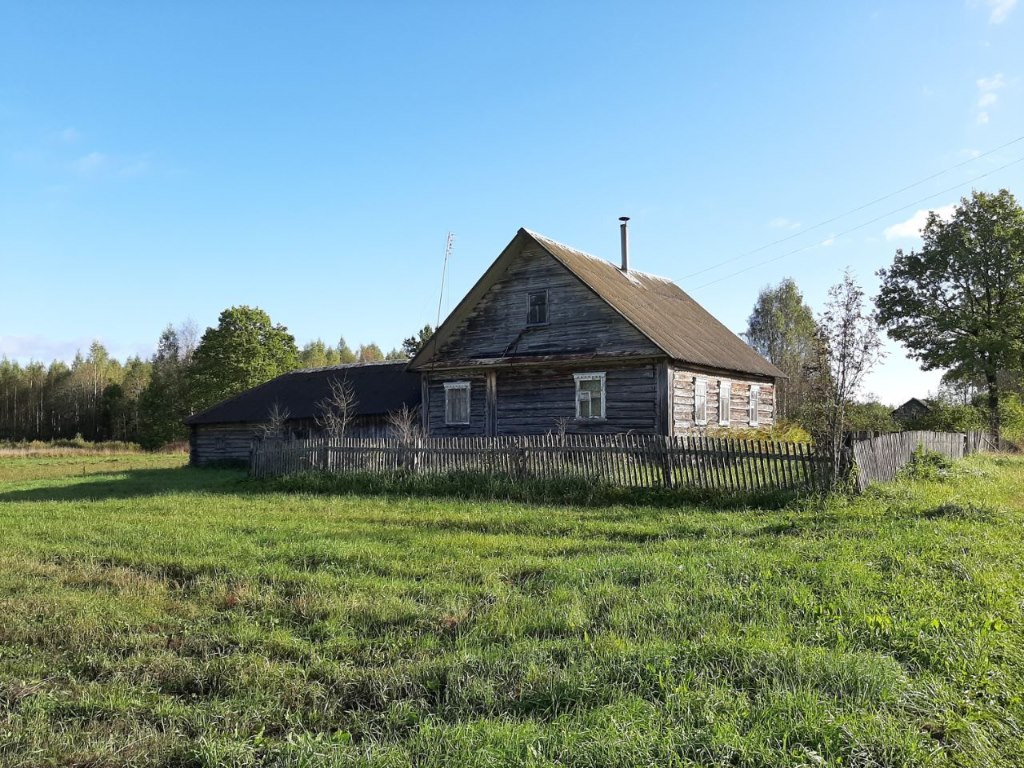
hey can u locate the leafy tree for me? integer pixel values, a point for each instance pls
(782, 328)
(316, 354)
(345, 353)
(871, 416)
(958, 303)
(412, 345)
(369, 353)
(243, 351)
(165, 401)
(396, 354)
(847, 347)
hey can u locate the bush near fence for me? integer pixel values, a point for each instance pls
(879, 458)
(632, 461)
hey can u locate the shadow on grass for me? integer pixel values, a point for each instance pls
(138, 483)
(468, 486)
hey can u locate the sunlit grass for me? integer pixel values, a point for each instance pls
(151, 614)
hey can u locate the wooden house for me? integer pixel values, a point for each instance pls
(549, 339)
(911, 411)
(553, 339)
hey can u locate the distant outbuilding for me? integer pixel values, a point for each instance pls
(911, 410)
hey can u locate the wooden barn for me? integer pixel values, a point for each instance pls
(553, 339)
(224, 432)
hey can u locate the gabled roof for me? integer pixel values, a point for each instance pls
(379, 389)
(914, 402)
(656, 306)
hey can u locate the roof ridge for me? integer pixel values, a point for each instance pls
(345, 366)
(612, 264)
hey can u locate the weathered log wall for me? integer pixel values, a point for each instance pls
(683, 387)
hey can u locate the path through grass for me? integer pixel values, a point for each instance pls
(156, 615)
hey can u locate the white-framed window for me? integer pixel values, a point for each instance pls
(724, 402)
(456, 402)
(589, 395)
(537, 308)
(755, 403)
(700, 401)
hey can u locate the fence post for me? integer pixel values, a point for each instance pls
(666, 461)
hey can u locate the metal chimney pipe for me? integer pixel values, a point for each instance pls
(624, 236)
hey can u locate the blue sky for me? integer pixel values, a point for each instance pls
(160, 162)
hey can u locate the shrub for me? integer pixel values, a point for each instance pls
(927, 465)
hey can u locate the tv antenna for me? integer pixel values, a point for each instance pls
(449, 244)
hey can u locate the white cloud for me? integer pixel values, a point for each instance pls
(26, 348)
(91, 162)
(1000, 10)
(912, 227)
(781, 222)
(970, 153)
(987, 87)
(69, 135)
(96, 163)
(993, 83)
(828, 241)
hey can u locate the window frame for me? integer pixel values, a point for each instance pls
(591, 376)
(724, 396)
(457, 386)
(700, 417)
(753, 405)
(529, 307)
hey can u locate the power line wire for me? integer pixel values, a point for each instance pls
(852, 211)
(859, 226)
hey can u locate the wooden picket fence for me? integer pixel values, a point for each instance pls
(636, 461)
(881, 457)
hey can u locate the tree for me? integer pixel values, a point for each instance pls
(958, 303)
(847, 347)
(345, 353)
(782, 328)
(276, 425)
(243, 351)
(412, 345)
(336, 411)
(369, 353)
(166, 399)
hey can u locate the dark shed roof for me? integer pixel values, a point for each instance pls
(379, 388)
(656, 306)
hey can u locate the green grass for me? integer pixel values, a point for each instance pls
(156, 615)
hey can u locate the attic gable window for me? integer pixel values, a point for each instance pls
(589, 395)
(537, 308)
(456, 402)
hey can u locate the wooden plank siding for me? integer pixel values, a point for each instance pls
(682, 400)
(435, 405)
(530, 401)
(213, 443)
(579, 322)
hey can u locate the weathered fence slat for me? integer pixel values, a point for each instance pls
(694, 461)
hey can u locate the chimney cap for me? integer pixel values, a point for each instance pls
(623, 218)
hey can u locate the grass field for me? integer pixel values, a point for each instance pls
(155, 615)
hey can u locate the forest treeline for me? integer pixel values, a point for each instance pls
(144, 401)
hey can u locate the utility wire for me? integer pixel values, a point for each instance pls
(852, 211)
(860, 226)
